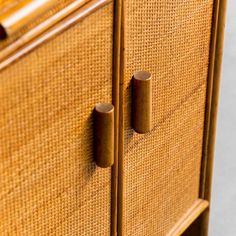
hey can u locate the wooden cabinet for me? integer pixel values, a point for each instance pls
(55, 68)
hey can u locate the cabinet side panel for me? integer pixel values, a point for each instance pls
(49, 183)
(161, 169)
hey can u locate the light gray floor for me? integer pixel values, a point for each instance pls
(223, 211)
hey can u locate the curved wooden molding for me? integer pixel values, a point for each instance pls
(56, 24)
(22, 14)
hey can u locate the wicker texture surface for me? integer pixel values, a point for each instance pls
(8, 4)
(49, 183)
(171, 40)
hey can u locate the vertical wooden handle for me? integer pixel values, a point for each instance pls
(142, 102)
(104, 135)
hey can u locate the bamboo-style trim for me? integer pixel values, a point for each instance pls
(189, 217)
(42, 27)
(212, 107)
(22, 14)
(115, 101)
(55, 30)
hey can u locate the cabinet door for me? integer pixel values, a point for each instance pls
(160, 170)
(49, 183)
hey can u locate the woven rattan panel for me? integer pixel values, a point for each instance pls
(169, 38)
(49, 184)
(9, 3)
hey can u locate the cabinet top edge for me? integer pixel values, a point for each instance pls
(57, 23)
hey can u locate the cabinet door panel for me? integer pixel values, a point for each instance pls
(49, 183)
(161, 169)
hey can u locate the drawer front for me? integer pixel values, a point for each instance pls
(161, 169)
(49, 183)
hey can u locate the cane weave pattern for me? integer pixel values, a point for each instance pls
(49, 183)
(5, 5)
(170, 39)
